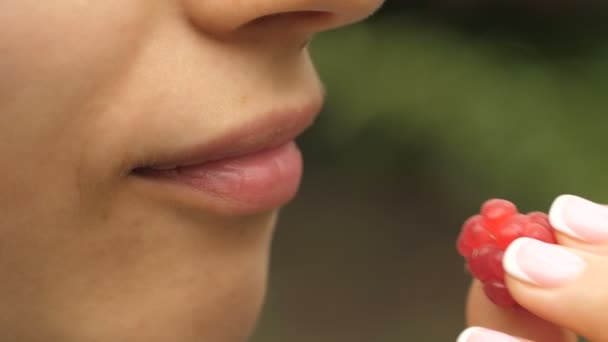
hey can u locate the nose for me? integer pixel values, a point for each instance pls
(304, 16)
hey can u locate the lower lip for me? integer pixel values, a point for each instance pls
(249, 184)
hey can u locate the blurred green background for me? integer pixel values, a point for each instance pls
(433, 107)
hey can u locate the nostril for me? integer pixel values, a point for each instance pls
(273, 19)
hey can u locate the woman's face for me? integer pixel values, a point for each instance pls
(115, 225)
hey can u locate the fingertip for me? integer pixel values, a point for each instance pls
(479, 334)
(580, 218)
(542, 264)
(510, 262)
(466, 334)
(556, 215)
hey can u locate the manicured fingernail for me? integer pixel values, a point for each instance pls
(580, 218)
(541, 263)
(476, 334)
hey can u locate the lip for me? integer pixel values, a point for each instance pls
(255, 167)
(261, 133)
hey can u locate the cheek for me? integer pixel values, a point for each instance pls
(69, 44)
(55, 55)
(56, 58)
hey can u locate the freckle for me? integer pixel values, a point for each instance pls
(138, 223)
(104, 216)
(244, 99)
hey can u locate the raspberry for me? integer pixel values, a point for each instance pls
(486, 263)
(539, 217)
(484, 238)
(476, 235)
(499, 294)
(511, 230)
(496, 212)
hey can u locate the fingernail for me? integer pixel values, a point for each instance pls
(541, 263)
(580, 218)
(477, 334)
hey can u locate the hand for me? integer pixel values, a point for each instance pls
(563, 287)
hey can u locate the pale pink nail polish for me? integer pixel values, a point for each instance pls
(580, 218)
(476, 334)
(541, 263)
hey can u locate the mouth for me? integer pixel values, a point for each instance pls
(255, 167)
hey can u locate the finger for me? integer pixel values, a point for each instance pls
(481, 312)
(580, 224)
(562, 285)
(478, 334)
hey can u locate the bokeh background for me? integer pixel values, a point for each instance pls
(433, 107)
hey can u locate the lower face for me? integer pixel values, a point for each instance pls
(91, 250)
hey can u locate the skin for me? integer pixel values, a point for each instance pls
(91, 88)
(555, 313)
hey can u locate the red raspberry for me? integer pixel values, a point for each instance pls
(499, 294)
(496, 212)
(484, 238)
(486, 263)
(476, 235)
(539, 217)
(511, 230)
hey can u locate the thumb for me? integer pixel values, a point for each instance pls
(563, 285)
(481, 312)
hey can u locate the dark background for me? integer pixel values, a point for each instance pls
(433, 107)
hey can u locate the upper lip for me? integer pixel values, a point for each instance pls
(272, 129)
